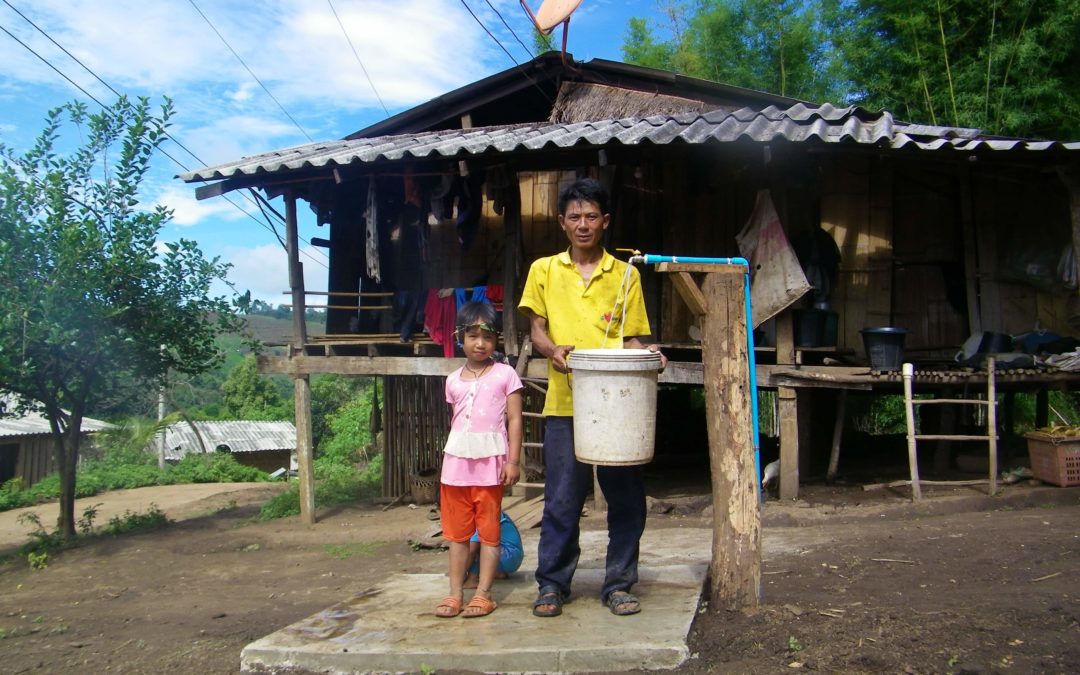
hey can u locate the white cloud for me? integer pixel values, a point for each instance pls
(264, 270)
(188, 211)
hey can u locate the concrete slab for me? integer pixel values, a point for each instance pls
(392, 628)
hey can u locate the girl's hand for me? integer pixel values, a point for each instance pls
(511, 473)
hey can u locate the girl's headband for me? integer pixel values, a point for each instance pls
(481, 325)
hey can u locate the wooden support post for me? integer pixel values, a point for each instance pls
(991, 423)
(971, 265)
(296, 274)
(787, 402)
(909, 411)
(735, 569)
(837, 433)
(1042, 407)
(304, 454)
(511, 245)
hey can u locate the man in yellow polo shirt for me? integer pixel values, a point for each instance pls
(573, 300)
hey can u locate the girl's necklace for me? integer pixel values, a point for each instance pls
(477, 374)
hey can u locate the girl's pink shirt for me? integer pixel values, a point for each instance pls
(480, 409)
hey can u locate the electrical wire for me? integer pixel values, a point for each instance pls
(357, 55)
(492, 36)
(250, 71)
(499, 14)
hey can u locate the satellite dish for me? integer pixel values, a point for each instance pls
(552, 13)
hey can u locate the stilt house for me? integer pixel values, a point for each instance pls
(942, 231)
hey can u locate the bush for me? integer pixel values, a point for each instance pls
(335, 483)
(214, 467)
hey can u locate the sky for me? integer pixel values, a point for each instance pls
(247, 78)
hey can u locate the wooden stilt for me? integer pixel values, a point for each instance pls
(991, 423)
(304, 455)
(838, 430)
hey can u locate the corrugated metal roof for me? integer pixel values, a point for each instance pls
(243, 436)
(800, 123)
(33, 423)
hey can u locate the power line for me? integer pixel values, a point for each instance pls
(267, 225)
(250, 72)
(357, 55)
(499, 14)
(492, 36)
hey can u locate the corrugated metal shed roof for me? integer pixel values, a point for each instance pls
(33, 424)
(243, 436)
(801, 123)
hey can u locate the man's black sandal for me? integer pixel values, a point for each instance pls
(550, 598)
(622, 603)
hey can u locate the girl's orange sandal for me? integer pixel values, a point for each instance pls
(448, 607)
(479, 606)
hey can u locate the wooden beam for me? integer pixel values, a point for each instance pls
(735, 568)
(689, 292)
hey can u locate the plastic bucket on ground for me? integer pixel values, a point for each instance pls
(884, 347)
(614, 405)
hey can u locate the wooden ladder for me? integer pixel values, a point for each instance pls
(990, 437)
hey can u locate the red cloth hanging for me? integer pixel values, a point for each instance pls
(439, 315)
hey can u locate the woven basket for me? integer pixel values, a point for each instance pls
(424, 486)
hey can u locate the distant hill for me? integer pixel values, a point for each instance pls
(276, 332)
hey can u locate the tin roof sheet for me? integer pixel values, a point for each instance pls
(35, 423)
(237, 436)
(800, 123)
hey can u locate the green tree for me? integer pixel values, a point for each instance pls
(330, 393)
(1003, 66)
(250, 396)
(777, 46)
(90, 308)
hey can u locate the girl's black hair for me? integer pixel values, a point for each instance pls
(473, 313)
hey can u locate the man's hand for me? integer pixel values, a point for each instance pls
(655, 349)
(558, 357)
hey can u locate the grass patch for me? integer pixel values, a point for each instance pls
(346, 551)
(43, 544)
(100, 475)
(335, 483)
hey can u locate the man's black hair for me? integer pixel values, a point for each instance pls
(473, 313)
(584, 190)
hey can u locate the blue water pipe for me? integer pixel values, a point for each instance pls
(652, 259)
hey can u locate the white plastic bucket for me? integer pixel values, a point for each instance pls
(614, 405)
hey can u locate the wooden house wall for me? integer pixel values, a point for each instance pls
(416, 424)
(900, 226)
(856, 209)
(1013, 210)
(35, 459)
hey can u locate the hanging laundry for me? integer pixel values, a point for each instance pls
(776, 277)
(439, 314)
(371, 234)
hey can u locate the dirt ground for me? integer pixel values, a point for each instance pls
(962, 583)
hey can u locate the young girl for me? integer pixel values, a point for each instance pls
(482, 455)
